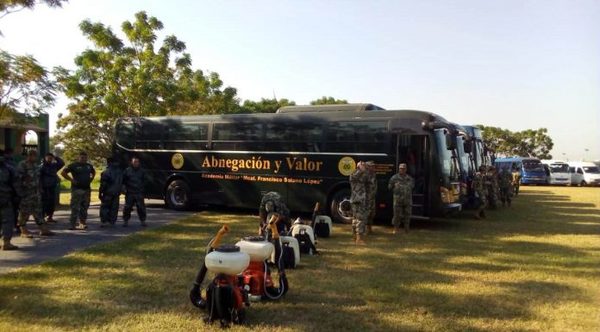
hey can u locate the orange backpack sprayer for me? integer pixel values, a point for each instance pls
(257, 278)
(226, 297)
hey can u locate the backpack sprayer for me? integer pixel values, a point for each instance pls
(256, 278)
(225, 296)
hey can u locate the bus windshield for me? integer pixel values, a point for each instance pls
(448, 163)
(559, 168)
(533, 166)
(592, 170)
(462, 155)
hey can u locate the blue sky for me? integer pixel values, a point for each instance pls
(512, 64)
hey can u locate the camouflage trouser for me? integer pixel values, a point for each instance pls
(359, 219)
(505, 195)
(482, 203)
(372, 212)
(109, 209)
(80, 202)
(31, 205)
(492, 198)
(140, 207)
(402, 212)
(7, 221)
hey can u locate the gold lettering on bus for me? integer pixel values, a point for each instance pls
(257, 163)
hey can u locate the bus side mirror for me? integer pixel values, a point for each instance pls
(450, 141)
(468, 146)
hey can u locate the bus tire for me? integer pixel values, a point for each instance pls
(178, 195)
(338, 199)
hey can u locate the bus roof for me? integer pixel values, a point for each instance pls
(330, 108)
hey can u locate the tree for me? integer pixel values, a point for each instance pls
(25, 86)
(534, 143)
(265, 105)
(135, 77)
(12, 6)
(328, 101)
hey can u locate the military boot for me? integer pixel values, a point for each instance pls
(82, 224)
(7, 245)
(25, 232)
(359, 240)
(44, 231)
(369, 230)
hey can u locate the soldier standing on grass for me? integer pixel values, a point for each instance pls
(492, 187)
(111, 181)
(134, 179)
(480, 192)
(402, 186)
(371, 195)
(516, 179)
(7, 178)
(9, 161)
(358, 198)
(50, 167)
(29, 188)
(82, 174)
(506, 190)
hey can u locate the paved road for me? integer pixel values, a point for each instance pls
(41, 249)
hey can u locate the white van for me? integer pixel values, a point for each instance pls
(584, 173)
(558, 172)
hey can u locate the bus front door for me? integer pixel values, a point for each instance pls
(413, 150)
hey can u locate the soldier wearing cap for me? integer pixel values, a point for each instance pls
(371, 194)
(402, 184)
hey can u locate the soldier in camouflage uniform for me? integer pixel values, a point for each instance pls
(480, 192)
(516, 179)
(81, 175)
(492, 187)
(29, 189)
(371, 195)
(402, 186)
(358, 199)
(272, 202)
(7, 178)
(111, 181)
(134, 180)
(506, 190)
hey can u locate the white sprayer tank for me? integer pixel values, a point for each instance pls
(301, 228)
(256, 247)
(227, 259)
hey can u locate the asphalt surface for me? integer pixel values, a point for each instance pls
(42, 249)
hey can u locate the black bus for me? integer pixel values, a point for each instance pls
(305, 153)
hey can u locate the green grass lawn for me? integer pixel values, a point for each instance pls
(535, 266)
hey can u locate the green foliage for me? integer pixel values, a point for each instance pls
(132, 77)
(328, 101)
(265, 105)
(11, 6)
(25, 86)
(534, 143)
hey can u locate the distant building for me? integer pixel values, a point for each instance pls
(13, 134)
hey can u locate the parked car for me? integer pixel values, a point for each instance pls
(584, 173)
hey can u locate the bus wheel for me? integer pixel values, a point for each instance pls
(178, 195)
(340, 207)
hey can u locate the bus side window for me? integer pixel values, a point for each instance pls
(238, 136)
(188, 136)
(150, 135)
(126, 134)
